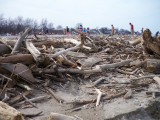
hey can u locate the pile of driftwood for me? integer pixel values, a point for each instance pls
(37, 62)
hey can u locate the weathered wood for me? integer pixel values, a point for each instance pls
(19, 58)
(126, 72)
(18, 97)
(89, 62)
(48, 43)
(59, 99)
(9, 113)
(135, 42)
(157, 79)
(78, 46)
(57, 116)
(98, 97)
(151, 44)
(74, 41)
(19, 42)
(97, 69)
(33, 100)
(38, 57)
(152, 65)
(20, 70)
(4, 49)
(100, 80)
(128, 94)
(115, 96)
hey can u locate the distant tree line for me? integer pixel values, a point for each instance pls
(14, 26)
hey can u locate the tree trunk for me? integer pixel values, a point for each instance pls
(19, 58)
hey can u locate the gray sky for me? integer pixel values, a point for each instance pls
(92, 13)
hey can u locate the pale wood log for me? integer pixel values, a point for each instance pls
(9, 113)
(78, 46)
(98, 97)
(74, 41)
(97, 69)
(19, 58)
(24, 86)
(19, 42)
(135, 42)
(57, 116)
(157, 79)
(38, 57)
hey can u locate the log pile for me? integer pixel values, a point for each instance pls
(40, 63)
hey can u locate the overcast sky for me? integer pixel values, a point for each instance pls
(92, 13)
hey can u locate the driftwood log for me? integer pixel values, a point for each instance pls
(9, 113)
(38, 57)
(97, 69)
(19, 58)
(78, 46)
(19, 42)
(57, 116)
(151, 44)
(135, 42)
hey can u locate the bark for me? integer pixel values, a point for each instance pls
(9, 113)
(19, 58)
(19, 42)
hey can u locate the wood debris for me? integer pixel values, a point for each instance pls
(48, 64)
